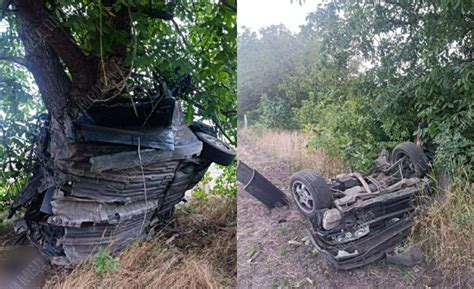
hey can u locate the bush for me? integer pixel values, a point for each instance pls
(342, 129)
(222, 185)
(274, 113)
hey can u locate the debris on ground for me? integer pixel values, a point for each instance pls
(409, 257)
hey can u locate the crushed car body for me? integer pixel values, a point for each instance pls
(358, 219)
(113, 177)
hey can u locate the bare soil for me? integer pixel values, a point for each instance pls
(273, 252)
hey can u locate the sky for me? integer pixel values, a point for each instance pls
(256, 14)
(3, 26)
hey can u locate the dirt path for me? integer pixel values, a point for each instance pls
(266, 259)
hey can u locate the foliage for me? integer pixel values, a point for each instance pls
(419, 82)
(344, 131)
(20, 119)
(200, 41)
(370, 75)
(105, 263)
(224, 184)
(274, 113)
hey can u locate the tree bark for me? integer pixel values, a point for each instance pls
(50, 76)
(83, 70)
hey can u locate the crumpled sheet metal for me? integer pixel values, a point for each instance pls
(107, 191)
(72, 212)
(81, 243)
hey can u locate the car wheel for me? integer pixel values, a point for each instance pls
(215, 150)
(197, 126)
(412, 160)
(310, 192)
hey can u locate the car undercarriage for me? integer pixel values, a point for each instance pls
(357, 219)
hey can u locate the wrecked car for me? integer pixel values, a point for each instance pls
(356, 219)
(113, 176)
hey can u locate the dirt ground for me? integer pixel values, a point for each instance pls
(273, 251)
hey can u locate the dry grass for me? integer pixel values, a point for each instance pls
(291, 147)
(445, 228)
(205, 257)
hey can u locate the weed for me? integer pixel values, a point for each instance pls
(406, 275)
(313, 252)
(105, 263)
(250, 252)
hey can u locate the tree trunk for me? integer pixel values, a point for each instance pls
(48, 72)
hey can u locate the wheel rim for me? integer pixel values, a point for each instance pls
(303, 197)
(408, 167)
(216, 142)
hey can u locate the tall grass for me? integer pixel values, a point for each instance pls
(204, 256)
(292, 148)
(445, 228)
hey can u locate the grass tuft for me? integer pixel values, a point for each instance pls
(105, 263)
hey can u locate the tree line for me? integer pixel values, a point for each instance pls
(364, 76)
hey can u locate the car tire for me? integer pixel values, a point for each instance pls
(415, 164)
(197, 126)
(310, 192)
(215, 150)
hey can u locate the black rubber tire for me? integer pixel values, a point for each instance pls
(197, 126)
(215, 150)
(416, 157)
(166, 217)
(316, 186)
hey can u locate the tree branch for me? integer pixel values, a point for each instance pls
(14, 59)
(180, 33)
(50, 30)
(224, 2)
(403, 22)
(155, 13)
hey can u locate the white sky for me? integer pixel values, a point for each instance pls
(256, 14)
(3, 26)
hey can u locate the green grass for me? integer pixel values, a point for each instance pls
(105, 263)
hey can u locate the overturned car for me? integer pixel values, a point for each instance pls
(112, 177)
(358, 219)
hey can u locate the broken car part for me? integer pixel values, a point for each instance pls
(111, 178)
(259, 187)
(357, 219)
